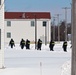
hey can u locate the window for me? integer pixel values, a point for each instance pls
(32, 23)
(8, 35)
(0, 2)
(44, 23)
(8, 23)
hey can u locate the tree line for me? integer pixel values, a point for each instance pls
(61, 31)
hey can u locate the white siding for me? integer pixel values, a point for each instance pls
(22, 29)
(49, 31)
(41, 30)
(2, 34)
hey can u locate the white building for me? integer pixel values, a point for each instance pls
(1, 33)
(20, 25)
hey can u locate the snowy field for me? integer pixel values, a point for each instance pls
(36, 62)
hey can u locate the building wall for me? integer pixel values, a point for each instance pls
(2, 34)
(22, 29)
(42, 32)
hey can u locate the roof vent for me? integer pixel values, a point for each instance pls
(23, 15)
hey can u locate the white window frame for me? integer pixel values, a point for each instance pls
(32, 23)
(44, 22)
(9, 23)
(8, 34)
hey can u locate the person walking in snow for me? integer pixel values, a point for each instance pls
(27, 44)
(12, 43)
(65, 46)
(22, 43)
(51, 45)
(39, 44)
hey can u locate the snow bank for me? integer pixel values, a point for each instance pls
(27, 62)
(66, 68)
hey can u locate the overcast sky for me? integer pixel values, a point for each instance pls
(53, 6)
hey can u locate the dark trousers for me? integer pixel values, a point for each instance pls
(22, 46)
(51, 48)
(39, 47)
(27, 46)
(11, 46)
(65, 49)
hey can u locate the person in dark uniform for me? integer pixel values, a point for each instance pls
(51, 45)
(12, 43)
(65, 46)
(22, 43)
(27, 44)
(39, 44)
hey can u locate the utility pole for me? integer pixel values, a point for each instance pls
(46, 33)
(35, 32)
(71, 22)
(65, 8)
(53, 23)
(58, 27)
(73, 67)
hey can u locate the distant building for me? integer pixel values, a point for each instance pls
(20, 25)
(1, 33)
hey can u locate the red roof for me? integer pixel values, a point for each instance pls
(27, 15)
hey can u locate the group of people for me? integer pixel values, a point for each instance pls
(39, 44)
(22, 43)
(25, 44)
(52, 43)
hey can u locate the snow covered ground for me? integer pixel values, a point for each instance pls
(36, 62)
